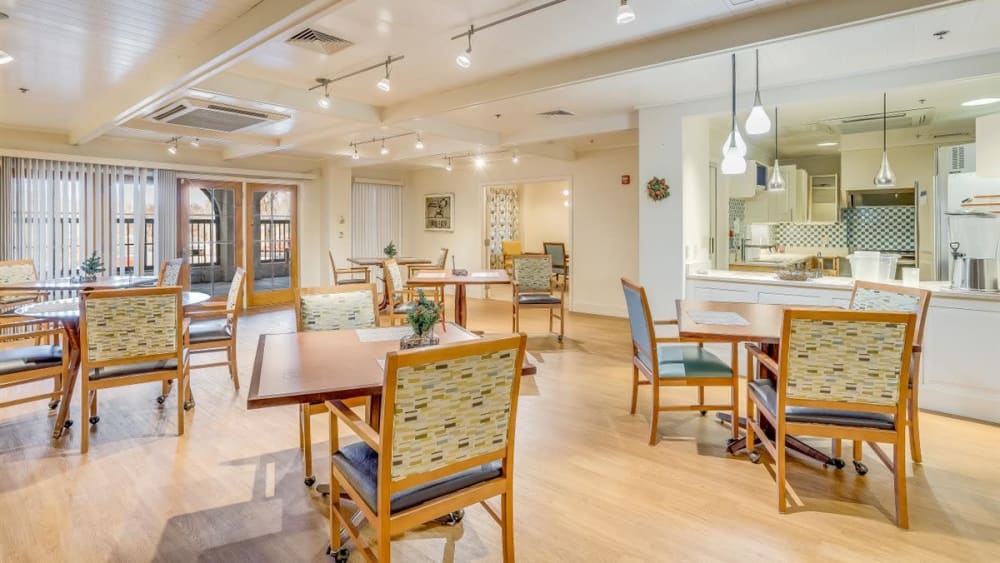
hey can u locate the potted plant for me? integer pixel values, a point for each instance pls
(422, 318)
(390, 250)
(91, 267)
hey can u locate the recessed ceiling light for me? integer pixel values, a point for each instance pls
(980, 102)
(827, 144)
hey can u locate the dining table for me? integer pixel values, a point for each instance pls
(441, 278)
(725, 322)
(74, 285)
(369, 262)
(67, 313)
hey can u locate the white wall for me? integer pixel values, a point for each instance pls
(544, 217)
(603, 216)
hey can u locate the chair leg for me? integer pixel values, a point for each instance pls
(334, 520)
(84, 417)
(551, 315)
(751, 439)
(384, 543)
(635, 389)
(858, 444)
(233, 372)
(899, 472)
(165, 388)
(837, 447)
(701, 395)
(562, 321)
(654, 419)
(307, 461)
(302, 440)
(735, 395)
(914, 411)
(507, 518)
(93, 403)
(181, 394)
(779, 445)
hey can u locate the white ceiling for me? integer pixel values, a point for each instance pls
(72, 53)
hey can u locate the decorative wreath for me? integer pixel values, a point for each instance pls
(657, 189)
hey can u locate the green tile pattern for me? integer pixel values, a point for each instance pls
(337, 311)
(533, 273)
(123, 327)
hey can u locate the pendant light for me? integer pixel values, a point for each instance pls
(885, 178)
(384, 84)
(625, 13)
(733, 161)
(464, 59)
(758, 123)
(777, 181)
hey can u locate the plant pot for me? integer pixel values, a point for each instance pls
(418, 340)
(88, 277)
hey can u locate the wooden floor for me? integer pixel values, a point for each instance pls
(588, 487)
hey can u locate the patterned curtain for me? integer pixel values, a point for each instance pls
(503, 207)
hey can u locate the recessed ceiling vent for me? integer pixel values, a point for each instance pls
(899, 119)
(557, 113)
(318, 41)
(203, 114)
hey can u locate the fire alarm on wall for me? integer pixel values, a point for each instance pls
(626, 179)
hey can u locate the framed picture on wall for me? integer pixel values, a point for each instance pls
(439, 212)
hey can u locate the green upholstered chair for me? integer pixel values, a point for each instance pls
(128, 337)
(330, 308)
(533, 289)
(840, 375)
(445, 441)
(672, 362)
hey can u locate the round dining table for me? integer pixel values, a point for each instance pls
(67, 313)
(76, 284)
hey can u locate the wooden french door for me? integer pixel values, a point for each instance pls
(272, 246)
(210, 233)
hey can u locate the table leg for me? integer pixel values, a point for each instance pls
(72, 331)
(460, 305)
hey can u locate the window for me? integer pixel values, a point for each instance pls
(376, 218)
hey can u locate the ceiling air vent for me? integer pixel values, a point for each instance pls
(557, 113)
(202, 114)
(899, 119)
(318, 41)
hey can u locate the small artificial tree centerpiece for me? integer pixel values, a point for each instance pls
(422, 318)
(390, 250)
(91, 267)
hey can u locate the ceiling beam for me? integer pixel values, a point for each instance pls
(575, 127)
(442, 128)
(549, 150)
(167, 72)
(755, 29)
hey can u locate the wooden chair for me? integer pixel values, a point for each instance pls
(21, 365)
(669, 362)
(213, 328)
(173, 272)
(131, 336)
(510, 249)
(330, 308)
(17, 271)
(560, 260)
(446, 441)
(870, 296)
(346, 276)
(841, 375)
(534, 289)
(402, 299)
(440, 263)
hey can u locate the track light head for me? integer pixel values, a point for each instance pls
(515, 158)
(384, 150)
(355, 156)
(195, 143)
(172, 146)
(448, 166)
(480, 161)
(464, 59)
(625, 13)
(419, 145)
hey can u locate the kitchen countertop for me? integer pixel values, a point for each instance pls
(937, 288)
(775, 259)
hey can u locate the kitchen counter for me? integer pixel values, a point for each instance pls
(771, 262)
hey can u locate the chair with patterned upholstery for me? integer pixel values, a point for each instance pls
(673, 362)
(841, 375)
(402, 299)
(22, 364)
(346, 276)
(560, 260)
(510, 249)
(172, 272)
(445, 441)
(213, 327)
(17, 271)
(440, 263)
(132, 336)
(330, 308)
(871, 296)
(534, 289)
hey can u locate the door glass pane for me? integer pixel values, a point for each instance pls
(212, 217)
(272, 241)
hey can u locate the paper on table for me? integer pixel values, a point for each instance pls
(485, 275)
(383, 334)
(422, 275)
(717, 318)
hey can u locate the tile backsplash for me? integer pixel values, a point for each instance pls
(862, 228)
(809, 234)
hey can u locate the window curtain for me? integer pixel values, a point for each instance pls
(503, 208)
(167, 218)
(376, 218)
(57, 213)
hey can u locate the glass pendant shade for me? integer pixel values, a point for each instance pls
(733, 163)
(777, 181)
(758, 122)
(741, 145)
(885, 178)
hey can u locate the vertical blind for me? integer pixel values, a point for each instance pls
(376, 218)
(57, 213)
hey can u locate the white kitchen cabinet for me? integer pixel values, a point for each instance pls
(742, 186)
(824, 200)
(779, 207)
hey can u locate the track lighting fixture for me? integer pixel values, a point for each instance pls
(384, 84)
(195, 143)
(448, 166)
(515, 158)
(733, 161)
(758, 122)
(324, 101)
(625, 13)
(384, 150)
(172, 145)
(355, 156)
(480, 161)
(464, 59)
(419, 145)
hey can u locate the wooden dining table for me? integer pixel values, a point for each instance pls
(67, 313)
(763, 326)
(441, 278)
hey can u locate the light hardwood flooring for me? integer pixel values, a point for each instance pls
(588, 487)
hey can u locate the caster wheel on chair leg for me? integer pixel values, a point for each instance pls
(452, 519)
(310, 480)
(731, 441)
(861, 468)
(95, 419)
(703, 413)
(53, 404)
(68, 423)
(836, 463)
(188, 405)
(161, 399)
(754, 457)
(340, 556)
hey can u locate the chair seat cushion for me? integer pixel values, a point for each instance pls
(537, 299)
(210, 330)
(133, 369)
(404, 308)
(359, 465)
(24, 358)
(764, 390)
(683, 360)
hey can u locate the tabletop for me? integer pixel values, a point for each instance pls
(445, 277)
(763, 321)
(70, 284)
(401, 260)
(69, 309)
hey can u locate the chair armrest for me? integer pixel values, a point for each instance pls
(351, 270)
(210, 314)
(48, 330)
(666, 322)
(354, 422)
(764, 359)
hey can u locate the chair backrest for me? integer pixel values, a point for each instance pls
(17, 271)
(511, 247)
(393, 275)
(557, 251)
(447, 409)
(848, 360)
(171, 272)
(533, 273)
(442, 259)
(336, 308)
(234, 300)
(333, 265)
(640, 322)
(119, 326)
(871, 296)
